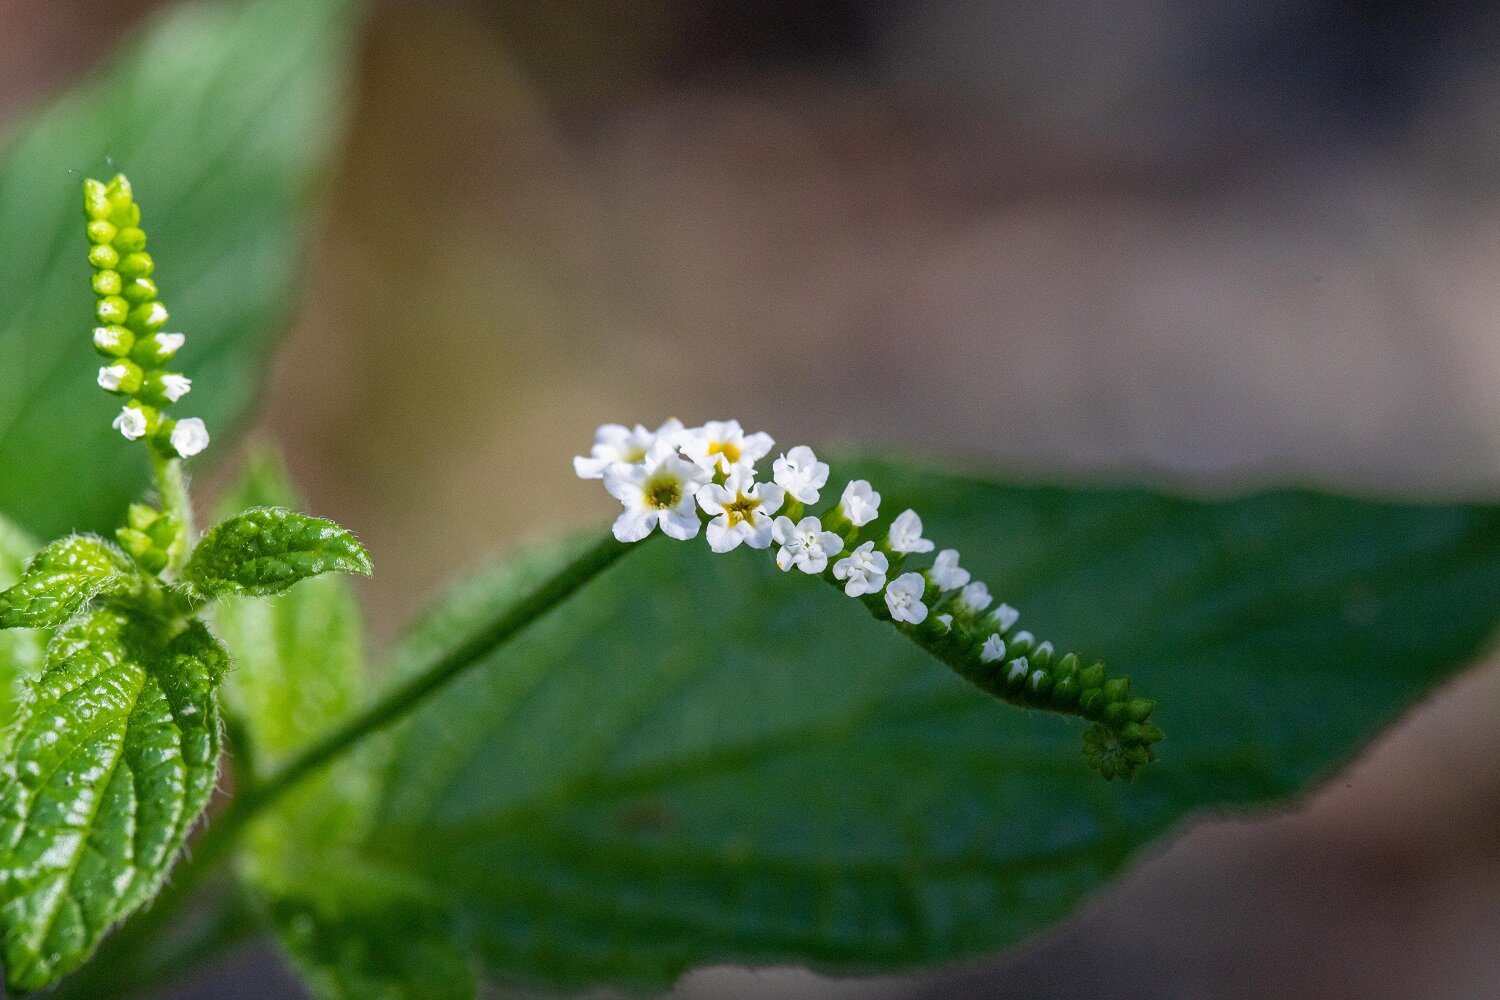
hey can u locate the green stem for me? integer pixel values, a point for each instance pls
(171, 483)
(215, 845)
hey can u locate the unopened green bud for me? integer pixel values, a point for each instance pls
(130, 240)
(1091, 703)
(137, 265)
(1067, 666)
(140, 290)
(134, 541)
(103, 256)
(1040, 682)
(1117, 689)
(96, 203)
(126, 215)
(1065, 691)
(163, 531)
(141, 516)
(113, 341)
(1140, 709)
(1091, 676)
(112, 310)
(148, 317)
(107, 283)
(118, 190)
(101, 232)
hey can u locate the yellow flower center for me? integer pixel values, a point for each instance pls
(741, 508)
(664, 492)
(728, 449)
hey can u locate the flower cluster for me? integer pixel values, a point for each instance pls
(131, 317)
(686, 479)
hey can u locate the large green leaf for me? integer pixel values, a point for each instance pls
(701, 759)
(224, 116)
(115, 754)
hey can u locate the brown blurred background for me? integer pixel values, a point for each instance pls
(1215, 243)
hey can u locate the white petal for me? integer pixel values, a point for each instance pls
(757, 536)
(633, 525)
(679, 525)
(721, 538)
(590, 468)
(755, 446)
(712, 499)
(771, 497)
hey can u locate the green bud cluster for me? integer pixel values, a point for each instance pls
(130, 315)
(1030, 674)
(151, 537)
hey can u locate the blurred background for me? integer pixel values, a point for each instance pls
(1214, 244)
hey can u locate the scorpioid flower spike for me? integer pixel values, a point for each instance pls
(741, 509)
(980, 645)
(801, 474)
(130, 317)
(657, 491)
(722, 445)
(616, 443)
(804, 545)
(906, 534)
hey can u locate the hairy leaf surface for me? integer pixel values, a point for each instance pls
(224, 115)
(267, 549)
(63, 577)
(115, 755)
(700, 759)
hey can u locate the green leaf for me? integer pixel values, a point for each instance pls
(224, 115)
(267, 549)
(700, 759)
(20, 650)
(115, 755)
(300, 668)
(62, 578)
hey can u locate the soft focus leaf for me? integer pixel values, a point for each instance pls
(267, 549)
(300, 668)
(115, 755)
(63, 577)
(20, 650)
(224, 116)
(700, 759)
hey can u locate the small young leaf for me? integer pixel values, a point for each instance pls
(267, 549)
(115, 755)
(62, 578)
(20, 649)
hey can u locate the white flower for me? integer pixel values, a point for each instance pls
(156, 315)
(804, 544)
(131, 422)
(1005, 616)
(1046, 647)
(722, 446)
(863, 570)
(946, 572)
(112, 376)
(174, 387)
(903, 596)
(189, 437)
(946, 621)
(617, 443)
(975, 597)
(743, 510)
(859, 503)
(1018, 668)
(1023, 637)
(658, 490)
(801, 474)
(993, 650)
(168, 344)
(906, 533)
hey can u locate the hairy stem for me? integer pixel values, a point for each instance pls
(171, 483)
(219, 840)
